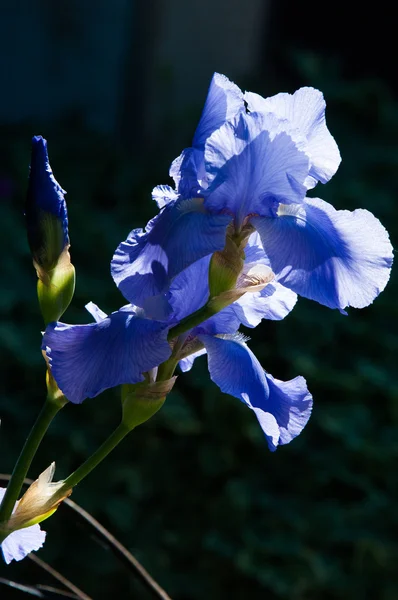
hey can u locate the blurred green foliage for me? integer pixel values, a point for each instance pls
(194, 493)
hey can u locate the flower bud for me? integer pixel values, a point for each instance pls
(47, 229)
(140, 401)
(37, 504)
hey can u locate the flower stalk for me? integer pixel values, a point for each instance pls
(51, 407)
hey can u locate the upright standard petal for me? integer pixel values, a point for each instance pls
(251, 165)
(181, 234)
(87, 359)
(338, 258)
(235, 369)
(305, 111)
(224, 101)
(21, 542)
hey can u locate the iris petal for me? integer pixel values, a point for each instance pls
(224, 100)
(21, 542)
(189, 290)
(235, 369)
(163, 194)
(304, 111)
(291, 404)
(250, 164)
(182, 233)
(338, 258)
(186, 363)
(87, 359)
(274, 302)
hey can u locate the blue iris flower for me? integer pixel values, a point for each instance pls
(120, 348)
(250, 166)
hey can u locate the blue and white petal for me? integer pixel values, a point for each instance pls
(273, 303)
(187, 363)
(21, 542)
(87, 359)
(163, 194)
(182, 233)
(251, 165)
(305, 112)
(224, 101)
(95, 311)
(338, 258)
(235, 369)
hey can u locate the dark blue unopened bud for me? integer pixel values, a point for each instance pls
(47, 228)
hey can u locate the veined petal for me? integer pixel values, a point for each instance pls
(338, 258)
(182, 233)
(87, 359)
(188, 172)
(305, 111)
(189, 290)
(251, 165)
(235, 369)
(224, 100)
(21, 542)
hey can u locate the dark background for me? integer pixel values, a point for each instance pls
(117, 89)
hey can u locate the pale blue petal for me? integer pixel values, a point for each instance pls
(21, 542)
(94, 310)
(338, 258)
(291, 404)
(186, 363)
(163, 194)
(305, 111)
(251, 166)
(181, 234)
(274, 303)
(188, 172)
(87, 359)
(235, 369)
(224, 101)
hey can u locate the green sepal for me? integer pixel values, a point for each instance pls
(55, 289)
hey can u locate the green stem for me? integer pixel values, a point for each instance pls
(81, 472)
(24, 461)
(193, 320)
